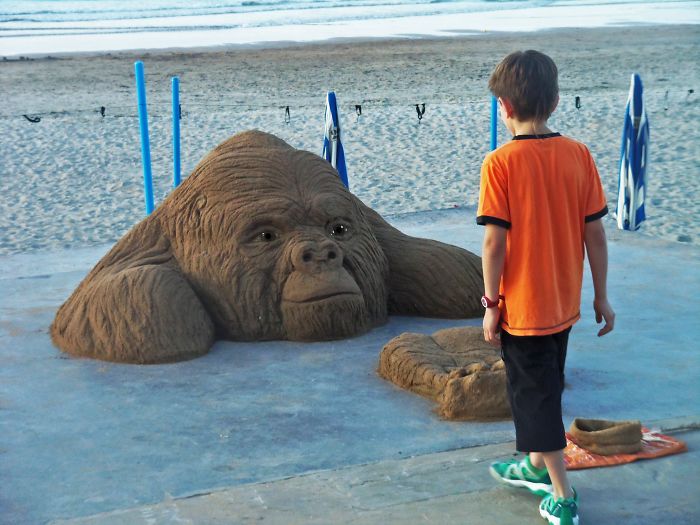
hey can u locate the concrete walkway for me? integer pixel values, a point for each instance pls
(83, 438)
(444, 487)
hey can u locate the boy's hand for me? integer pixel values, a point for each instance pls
(603, 310)
(492, 317)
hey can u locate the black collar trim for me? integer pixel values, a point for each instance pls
(545, 136)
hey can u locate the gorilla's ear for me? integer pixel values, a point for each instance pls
(426, 277)
(198, 207)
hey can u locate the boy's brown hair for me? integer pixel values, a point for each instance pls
(528, 79)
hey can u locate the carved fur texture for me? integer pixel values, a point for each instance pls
(261, 242)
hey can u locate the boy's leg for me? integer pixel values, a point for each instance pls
(554, 461)
(535, 371)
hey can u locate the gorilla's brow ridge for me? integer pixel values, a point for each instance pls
(250, 226)
(332, 205)
(280, 210)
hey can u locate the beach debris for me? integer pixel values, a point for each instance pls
(33, 120)
(666, 101)
(102, 111)
(358, 112)
(578, 102)
(690, 92)
(221, 258)
(420, 109)
(454, 367)
(287, 116)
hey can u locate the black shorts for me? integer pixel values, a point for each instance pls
(535, 370)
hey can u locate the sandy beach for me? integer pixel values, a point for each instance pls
(74, 178)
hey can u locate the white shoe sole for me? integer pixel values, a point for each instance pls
(540, 489)
(553, 520)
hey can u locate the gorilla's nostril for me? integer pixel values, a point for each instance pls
(306, 257)
(331, 255)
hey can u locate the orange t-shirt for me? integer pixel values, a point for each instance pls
(543, 189)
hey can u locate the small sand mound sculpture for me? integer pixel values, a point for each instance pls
(605, 437)
(261, 242)
(454, 367)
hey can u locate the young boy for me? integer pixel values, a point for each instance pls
(541, 201)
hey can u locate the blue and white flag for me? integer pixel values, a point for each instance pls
(332, 146)
(633, 160)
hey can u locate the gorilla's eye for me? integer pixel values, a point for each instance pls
(339, 230)
(267, 236)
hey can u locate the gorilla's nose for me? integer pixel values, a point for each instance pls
(313, 256)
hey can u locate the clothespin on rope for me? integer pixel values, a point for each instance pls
(420, 109)
(102, 111)
(578, 102)
(287, 116)
(33, 120)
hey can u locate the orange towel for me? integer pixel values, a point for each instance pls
(654, 445)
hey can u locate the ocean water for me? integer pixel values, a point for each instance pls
(38, 11)
(36, 27)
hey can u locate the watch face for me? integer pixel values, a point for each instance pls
(484, 303)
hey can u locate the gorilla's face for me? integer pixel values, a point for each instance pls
(298, 258)
(324, 265)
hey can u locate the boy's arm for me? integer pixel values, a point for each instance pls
(597, 250)
(492, 260)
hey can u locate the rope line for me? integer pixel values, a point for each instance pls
(126, 111)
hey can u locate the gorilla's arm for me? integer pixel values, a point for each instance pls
(427, 277)
(136, 308)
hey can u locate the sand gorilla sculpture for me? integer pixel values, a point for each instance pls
(454, 367)
(261, 242)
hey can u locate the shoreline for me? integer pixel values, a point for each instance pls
(74, 179)
(333, 42)
(333, 49)
(322, 25)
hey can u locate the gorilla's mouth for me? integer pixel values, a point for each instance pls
(322, 296)
(307, 288)
(323, 305)
(323, 316)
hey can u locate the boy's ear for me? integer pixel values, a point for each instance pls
(507, 106)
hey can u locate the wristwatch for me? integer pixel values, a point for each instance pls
(488, 303)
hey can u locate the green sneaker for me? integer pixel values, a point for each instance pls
(561, 511)
(523, 474)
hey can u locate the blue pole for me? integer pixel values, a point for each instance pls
(494, 123)
(145, 145)
(176, 131)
